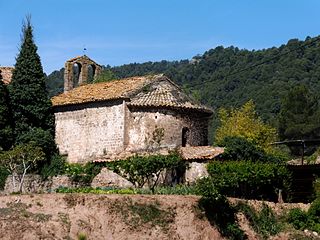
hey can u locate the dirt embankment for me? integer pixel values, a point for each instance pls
(72, 216)
(69, 216)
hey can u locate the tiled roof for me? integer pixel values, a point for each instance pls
(147, 91)
(117, 89)
(200, 152)
(186, 153)
(165, 94)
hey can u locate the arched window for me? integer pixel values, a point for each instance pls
(185, 136)
(76, 71)
(91, 73)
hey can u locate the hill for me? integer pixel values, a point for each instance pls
(229, 77)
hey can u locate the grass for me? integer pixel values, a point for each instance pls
(264, 222)
(137, 215)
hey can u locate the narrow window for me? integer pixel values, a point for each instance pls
(185, 136)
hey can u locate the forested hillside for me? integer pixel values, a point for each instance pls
(229, 77)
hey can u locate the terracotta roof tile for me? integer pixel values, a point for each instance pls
(146, 91)
(187, 154)
(116, 89)
(200, 152)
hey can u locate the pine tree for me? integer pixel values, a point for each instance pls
(31, 106)
(299, 115)
(6, 136)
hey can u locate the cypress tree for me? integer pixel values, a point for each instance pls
(31, 106)
(6, 136)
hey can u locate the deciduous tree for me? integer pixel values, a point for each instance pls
(244, 122)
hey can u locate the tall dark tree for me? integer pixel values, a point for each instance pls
(6, 134)
(299, 117)
(31, 106)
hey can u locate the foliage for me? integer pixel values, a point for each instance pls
(299, 115)
(6, 134)
(83, 174)
(263, 222)
(82, 236)
(105, 76)
(56, 166)
(19, 160)
(239, 148)
(218, 210)
(245, 123)
(4, 173)
(298, 218)
(306, 220)
(139, 214)
(140, 170)
(29, 99)
(40, 138)
(246, 179)
(165, 190)
(55, 82)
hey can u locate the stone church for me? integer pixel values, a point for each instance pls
(135, 114)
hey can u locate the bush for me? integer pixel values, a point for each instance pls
(239, 148)
(56, 166)
(140, 170)
(218, 210)
(298, 218)
(83, 174)
(250, 180)
(4, 173)
(306, 220)
(263, 222)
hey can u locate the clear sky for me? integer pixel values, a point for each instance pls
(124, 31)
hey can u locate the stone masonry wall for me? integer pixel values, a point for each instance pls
(143, 126)
(83, 134)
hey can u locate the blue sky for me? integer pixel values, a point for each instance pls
(125, 31)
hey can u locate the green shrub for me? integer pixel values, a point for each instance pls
(56, 166)
(238, 148)
(246, 179)
(298, 218)
(141, 170)
(218, 210)
(83, 174)
(263, 222)
(306, 220)
(4, 173)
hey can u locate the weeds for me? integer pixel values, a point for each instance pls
(263, 222)
(139, 214)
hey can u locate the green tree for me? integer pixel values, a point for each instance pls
(244, 122)
(146, 170)
(6, 134)
(19, 160)
(106, 76)
(31, 106)
(299, 117)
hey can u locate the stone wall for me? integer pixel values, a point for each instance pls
(6, 73)
(95, 130)
(144, 129)
(195, 171)
(83, 64)
(35, 184)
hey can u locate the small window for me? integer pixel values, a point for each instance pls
(185, 136)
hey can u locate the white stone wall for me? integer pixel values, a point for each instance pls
(142, 124)
(89, 132)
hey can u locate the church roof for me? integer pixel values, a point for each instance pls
(146, 91)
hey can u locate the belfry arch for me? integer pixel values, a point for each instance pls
(79, 71)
